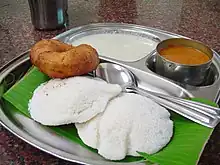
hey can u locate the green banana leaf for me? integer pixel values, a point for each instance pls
(184, 148)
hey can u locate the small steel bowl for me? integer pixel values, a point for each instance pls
(186, 74)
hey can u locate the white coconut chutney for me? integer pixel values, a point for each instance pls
(124, 47)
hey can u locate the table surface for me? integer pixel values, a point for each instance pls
(198, 19)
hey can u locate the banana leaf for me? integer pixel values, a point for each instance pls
(185, 147)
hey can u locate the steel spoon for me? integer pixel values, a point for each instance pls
(197, 112)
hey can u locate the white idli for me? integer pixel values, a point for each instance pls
(71, 100)
(129, 124)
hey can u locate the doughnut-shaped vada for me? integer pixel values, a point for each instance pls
(60, 60)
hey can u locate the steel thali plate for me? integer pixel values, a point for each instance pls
(43, 138)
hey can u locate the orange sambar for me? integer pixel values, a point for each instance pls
(184, 55)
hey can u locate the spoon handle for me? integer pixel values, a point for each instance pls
(197, 106)
(205, 119)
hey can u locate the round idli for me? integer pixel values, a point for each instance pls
(71, 100)
(129, 124)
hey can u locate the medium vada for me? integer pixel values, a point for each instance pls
(60, 60)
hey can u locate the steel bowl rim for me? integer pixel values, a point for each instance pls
(185, 65)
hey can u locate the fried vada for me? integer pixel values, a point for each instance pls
(59, 60)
